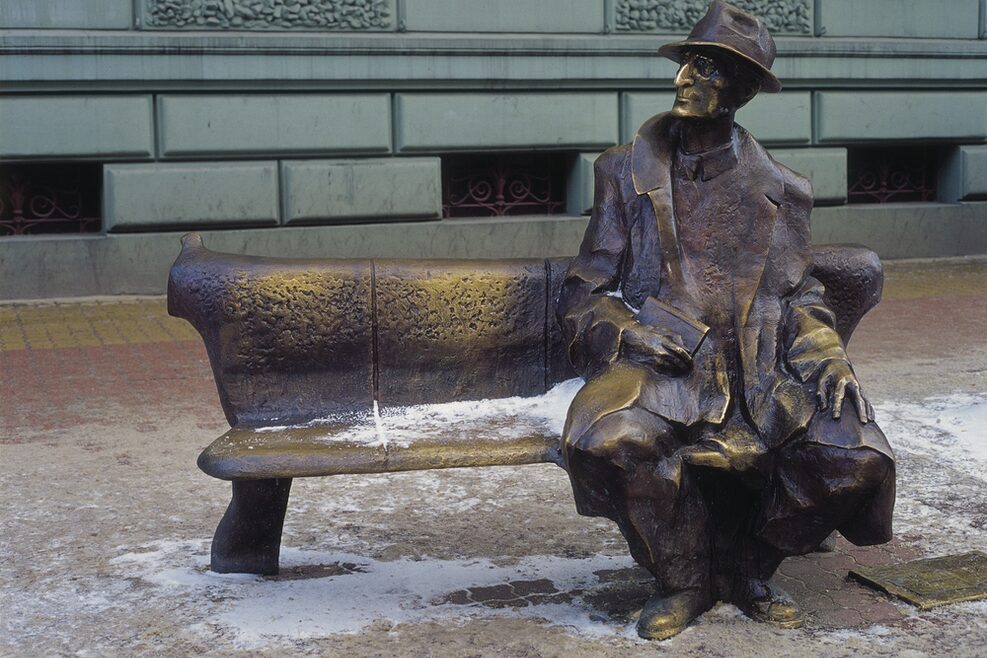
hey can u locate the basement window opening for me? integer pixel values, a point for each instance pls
(504, 184)
(882, 174)
(47, 198)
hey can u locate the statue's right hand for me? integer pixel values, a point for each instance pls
(648, 346)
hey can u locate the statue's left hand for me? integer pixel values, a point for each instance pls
(835, 382)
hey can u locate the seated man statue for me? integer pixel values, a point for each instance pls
(712, 426)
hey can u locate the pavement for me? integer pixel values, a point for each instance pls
(105, 404)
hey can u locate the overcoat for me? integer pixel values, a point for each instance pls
(779, 326)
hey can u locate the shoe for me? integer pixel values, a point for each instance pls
(762, 600)
(666, 615)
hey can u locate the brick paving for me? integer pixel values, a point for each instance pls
(66, 363)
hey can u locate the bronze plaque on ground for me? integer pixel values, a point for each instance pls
(931, 582)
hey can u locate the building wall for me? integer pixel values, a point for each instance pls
(319, 128)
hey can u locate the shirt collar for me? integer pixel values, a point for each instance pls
(709, 164)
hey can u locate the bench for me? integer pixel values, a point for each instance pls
(311, 357)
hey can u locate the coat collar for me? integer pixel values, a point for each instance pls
(656, 143)
(651, 154)
(708, 164)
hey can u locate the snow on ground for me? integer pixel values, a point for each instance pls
(363, 592)
(950, 429)
(941, 445)
(938, 440)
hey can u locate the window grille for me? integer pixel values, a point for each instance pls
(493, 185)
(49, 198)
(892, 174)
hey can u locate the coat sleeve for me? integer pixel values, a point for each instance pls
(812, 336)
(592, 321)
(813, 327)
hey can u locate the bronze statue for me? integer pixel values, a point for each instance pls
(721, 425)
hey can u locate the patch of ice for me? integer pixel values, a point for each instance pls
(259, 610)
(876, 634)
(950, 429)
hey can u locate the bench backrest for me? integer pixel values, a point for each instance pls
(294, 340)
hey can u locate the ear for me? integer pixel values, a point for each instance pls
(747, 90)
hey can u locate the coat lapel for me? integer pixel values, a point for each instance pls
(766, 188)
(651, 165)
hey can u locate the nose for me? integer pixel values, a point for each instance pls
(684, 77)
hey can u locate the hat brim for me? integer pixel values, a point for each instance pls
(673, 51)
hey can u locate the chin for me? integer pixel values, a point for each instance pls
(688, 113)
(684, 111)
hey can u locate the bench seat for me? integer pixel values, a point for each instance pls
(502, 432)
(249, 454)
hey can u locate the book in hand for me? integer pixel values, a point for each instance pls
(670, 320)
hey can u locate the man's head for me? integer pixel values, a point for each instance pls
(723, 63)
(711, 84)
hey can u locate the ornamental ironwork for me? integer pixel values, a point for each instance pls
(891, 175)
(498, 185)
(49, 199)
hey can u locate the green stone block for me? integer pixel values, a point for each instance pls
(548, 16)
(825, 167)
(965, 175)
(273, 124)
(905, 230)
(579, 195)
(76, 127)
(333, 190)
(141, 196)
(636, 107)
(484, 121)
(974, 172)
(957, 19)
(784, 118)
(855, 116)
(67, 14)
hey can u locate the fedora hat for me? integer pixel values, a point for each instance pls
(725, 27)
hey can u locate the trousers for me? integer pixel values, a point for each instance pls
(698, 527)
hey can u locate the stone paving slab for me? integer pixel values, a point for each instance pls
(105, 403)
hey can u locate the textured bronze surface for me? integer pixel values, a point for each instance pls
(558, 369)
(457, 330)
(263, 452)
(326, 450)
(931, 582)
(289, 340)
(721, 425)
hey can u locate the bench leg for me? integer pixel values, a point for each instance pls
(248, 538)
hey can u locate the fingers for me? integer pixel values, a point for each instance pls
(678, 353)
(859, 402)
(659, 350)
(870, 410)
(697, 456)
(838, 398)
(822, 390)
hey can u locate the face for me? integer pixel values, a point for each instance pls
(704, 91)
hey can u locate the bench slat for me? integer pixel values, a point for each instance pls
(326, 450)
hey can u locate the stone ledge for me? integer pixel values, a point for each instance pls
(69, 266)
